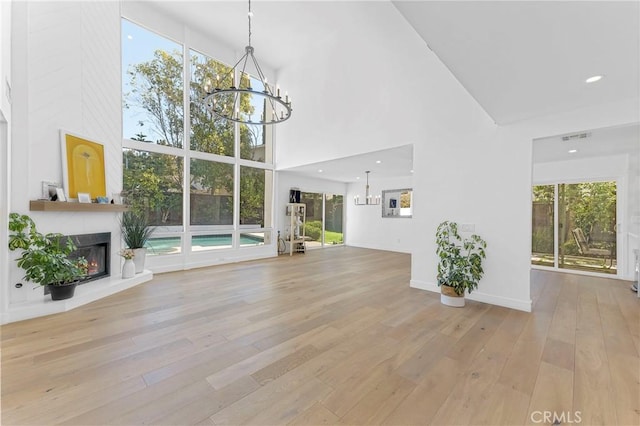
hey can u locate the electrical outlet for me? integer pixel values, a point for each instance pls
(467, 227)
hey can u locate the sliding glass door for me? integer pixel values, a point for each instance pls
(542, 247)
(333, 223)
(323, 219)
(580, 218)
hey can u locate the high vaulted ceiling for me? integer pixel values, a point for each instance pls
(518, 59)
(524, 59)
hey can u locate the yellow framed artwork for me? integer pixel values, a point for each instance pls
(83, 167)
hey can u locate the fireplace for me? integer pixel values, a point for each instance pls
(96, 249)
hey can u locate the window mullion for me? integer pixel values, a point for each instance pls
(186, 199)
(236, 179)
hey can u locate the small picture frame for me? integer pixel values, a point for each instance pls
(84, 197)
(48, 190)
(59, 195)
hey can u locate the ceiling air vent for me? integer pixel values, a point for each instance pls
(576, 136)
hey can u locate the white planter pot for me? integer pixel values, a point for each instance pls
(128, 269)
(449, 297)
(139, 259)
(456, 302)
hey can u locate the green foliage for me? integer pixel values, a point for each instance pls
(44, 257)
(460, 264)
(252, 184)
(542, 241)
(591, 204)
(153, 184)
(313, 230)
(135, 229)
(405, 200)
(543, 193)
(333, 237)
(569, 247)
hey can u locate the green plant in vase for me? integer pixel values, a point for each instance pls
(45, 257)
(460, 263)
(135, 233)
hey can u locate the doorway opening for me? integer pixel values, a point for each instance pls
(324, 219)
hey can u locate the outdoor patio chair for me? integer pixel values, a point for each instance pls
(586, 250)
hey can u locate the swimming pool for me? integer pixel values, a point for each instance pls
(172, 245)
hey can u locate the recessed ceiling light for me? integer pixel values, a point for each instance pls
(358, 177)
(573, 151)
(319, 170)
(411, 171)
(378, 162)
(593, 79)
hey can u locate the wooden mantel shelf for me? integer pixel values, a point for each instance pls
(59, 206)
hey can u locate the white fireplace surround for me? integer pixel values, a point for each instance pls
(28, 301)
(86, 293)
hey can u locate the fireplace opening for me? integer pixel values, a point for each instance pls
(96, 249)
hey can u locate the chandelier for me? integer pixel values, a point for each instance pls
(275, 108)
(369, 200)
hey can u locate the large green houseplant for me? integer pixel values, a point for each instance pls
(45, 257)
(135, 233)
(460, 263)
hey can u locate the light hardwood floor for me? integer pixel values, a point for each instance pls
(333, 336)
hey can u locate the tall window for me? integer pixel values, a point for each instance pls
(173, 148)
(152, 68)
(208, 132)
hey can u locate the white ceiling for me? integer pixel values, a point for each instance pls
(524, 59)
(394, 162)
(518, 59)
(597, 143)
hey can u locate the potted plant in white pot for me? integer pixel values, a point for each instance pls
(460, 263)
(135, 233)
(45, 258)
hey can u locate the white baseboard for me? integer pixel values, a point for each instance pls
(376, 247)
(520, 305)
(166, 264)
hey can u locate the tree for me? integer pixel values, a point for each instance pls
(157, 88)
(592, 206)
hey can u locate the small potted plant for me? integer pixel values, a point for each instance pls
(135, 233)
(45, 258)
(460, 263)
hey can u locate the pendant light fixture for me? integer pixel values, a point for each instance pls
(369, 200)
(276, 109)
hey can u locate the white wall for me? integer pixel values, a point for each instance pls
(5, 57)
(466, 168)
(5, 132)
(289, 180)
(584, 168)
(369, 90)
(66, 75)
(367, 228)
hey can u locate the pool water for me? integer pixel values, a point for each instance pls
(171, 245)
